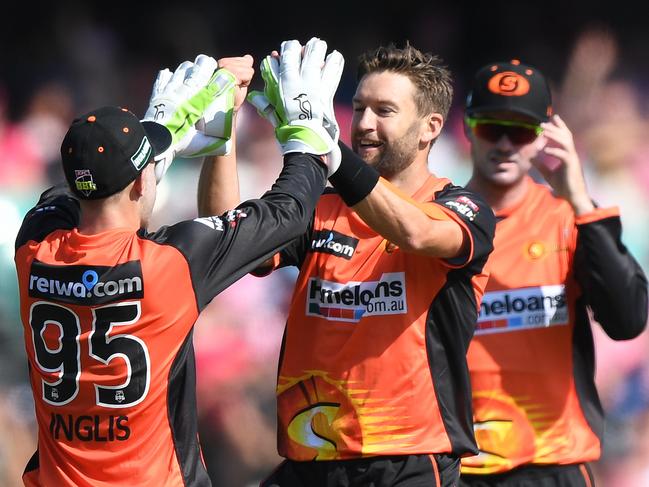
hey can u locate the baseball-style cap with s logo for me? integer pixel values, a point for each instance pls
(104, 150)
(510, 87)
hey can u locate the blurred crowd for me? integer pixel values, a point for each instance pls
(238, 336)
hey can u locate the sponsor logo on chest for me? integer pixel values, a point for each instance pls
(352, 301)
(334, 243)
(522, 309)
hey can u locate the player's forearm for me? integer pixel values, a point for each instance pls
(394, 216)
(407, 226)
(218, 184)
(291, 201)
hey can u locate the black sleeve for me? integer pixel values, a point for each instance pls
(613, 283)
(56, 209)
(222, 249)
(295, 252)
(478, 217)
(292, 254)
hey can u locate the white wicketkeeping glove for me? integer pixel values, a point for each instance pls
(331, 73)
(196, 105)
(298, 99)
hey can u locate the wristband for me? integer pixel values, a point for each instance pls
(354, 179)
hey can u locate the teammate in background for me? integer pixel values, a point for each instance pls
(373, 387)
(557, 258)
(108, 308)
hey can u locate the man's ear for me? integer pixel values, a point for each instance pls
(435, 122)
(139, 185)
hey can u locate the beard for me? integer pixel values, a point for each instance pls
(397, 155)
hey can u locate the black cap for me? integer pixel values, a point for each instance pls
(512, 87)
(104, 150)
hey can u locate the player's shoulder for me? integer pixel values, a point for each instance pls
(56, 209)
(185, 232)
(452, 195)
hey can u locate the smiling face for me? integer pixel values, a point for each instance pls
(387, 131)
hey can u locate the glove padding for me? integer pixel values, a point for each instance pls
(298, 99)
(196, 105)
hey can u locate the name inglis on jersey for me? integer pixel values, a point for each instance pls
(89, 428)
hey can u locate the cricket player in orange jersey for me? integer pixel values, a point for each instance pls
(373, 387)
(108, 307)
(557, 258)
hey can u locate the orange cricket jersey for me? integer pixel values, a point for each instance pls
(108, 323)
(373, 357)
(531, 381)
(102, 358)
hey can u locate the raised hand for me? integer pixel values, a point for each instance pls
(242, 69)
(298, 98)
(193, 93)
(562, 169)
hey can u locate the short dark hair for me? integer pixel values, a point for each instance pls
(432, 79)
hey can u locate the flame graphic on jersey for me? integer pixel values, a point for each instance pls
(509, 431)
(324, 419)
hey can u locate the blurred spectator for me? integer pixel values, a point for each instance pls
(18, 427)
(46, 121)
(612, 135)
(237, 340)
(450, 157)
(612, 132)
(591, 62)
(21, 166)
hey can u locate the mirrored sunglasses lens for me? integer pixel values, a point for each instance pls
(493, 132)
(489, 131)
(521, 135)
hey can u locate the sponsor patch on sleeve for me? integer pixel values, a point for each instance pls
(213, 222)
(464, 206)
(233, 217)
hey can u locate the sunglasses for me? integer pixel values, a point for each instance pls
(492, 130)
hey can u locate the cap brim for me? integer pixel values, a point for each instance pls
(500, 108)
(158, 135)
